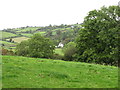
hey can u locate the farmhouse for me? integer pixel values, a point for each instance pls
(60, 45)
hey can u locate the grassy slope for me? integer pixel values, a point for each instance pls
(23, 72)
(27, 29)
(6, 43)
(27, 34)
(6, 34)
(19, 39)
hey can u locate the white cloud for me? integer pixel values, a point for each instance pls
(18, 13)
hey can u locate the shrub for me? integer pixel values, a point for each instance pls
(57, 56)
(69, 51)
(6, 52)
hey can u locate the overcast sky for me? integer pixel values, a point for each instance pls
(20, 13)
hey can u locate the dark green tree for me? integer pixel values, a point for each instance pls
(69, 51)
(10, 40)
(22, 49)
(38, 46)
(98, 39)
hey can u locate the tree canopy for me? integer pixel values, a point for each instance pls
(98, 39)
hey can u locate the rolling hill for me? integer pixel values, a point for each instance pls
(24, 72)
(61, 33)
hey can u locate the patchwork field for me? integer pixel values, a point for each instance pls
(23, 72)
(8, 45)
(27, 34)
(19, 39)
(27, 29)
(6, 34)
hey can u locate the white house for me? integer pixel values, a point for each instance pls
(60, 45)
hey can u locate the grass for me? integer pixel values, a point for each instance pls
(27, 34)
(27, 29)
(40, 32)
(6, 34)
(6, 43)
(59, 51)
(23, 72)
(19, 39)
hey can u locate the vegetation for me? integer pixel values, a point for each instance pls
(7, 35)
(6, 52)
(19, 39)
(98, 39)
(56, 33)
(93, 41)
(24, 72)
(26, 34)
(37, 46)
(59, 51)
(69, 51)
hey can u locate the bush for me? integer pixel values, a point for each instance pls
(6, 52)
(69, 51)
(57, 56)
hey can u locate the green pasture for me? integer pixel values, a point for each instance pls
(41, 32)
(24, 72)
(6, 43)
(27, 29)
(19, 39)
(27, 34)
(4, 34)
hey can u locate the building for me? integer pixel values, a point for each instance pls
(60, 45)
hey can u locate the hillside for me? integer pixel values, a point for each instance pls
(23, 72)
(61, 33)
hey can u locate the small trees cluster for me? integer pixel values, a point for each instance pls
(38, 46)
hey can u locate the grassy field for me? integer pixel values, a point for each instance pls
(8, 45)
(23, 72)
(27, 29)
(6, 34)
(40, 32)
(27, 34)
(19, 39)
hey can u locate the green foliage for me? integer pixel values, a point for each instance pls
(22, 49)
(98, 39)
(57, 56)
(69, 51)
(37, 46)
(59, 51)
(24, 72)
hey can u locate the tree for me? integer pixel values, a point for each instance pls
(10, 40)
(22, 49)
(69, 51)
(98, 39)
(37, 46)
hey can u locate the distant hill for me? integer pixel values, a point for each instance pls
(61, 33)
